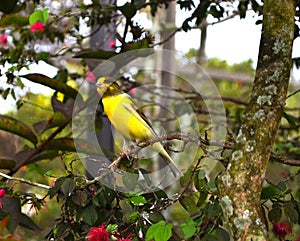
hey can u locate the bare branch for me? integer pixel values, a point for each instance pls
(203, 144)
(284, 160)
(25, 181)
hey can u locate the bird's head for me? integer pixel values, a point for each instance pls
(107, 86)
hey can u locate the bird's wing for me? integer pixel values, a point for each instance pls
(142, 115)
(132, 108)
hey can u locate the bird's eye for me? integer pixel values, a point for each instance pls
(107, 80)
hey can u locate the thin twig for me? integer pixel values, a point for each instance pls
(284, 160)
(236, 13)
(291, 176)
(194, 27)
(25, 181)
(169, 37)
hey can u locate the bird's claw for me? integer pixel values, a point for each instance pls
(114, 164)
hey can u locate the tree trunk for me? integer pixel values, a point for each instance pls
(201, 52)
(241, 184)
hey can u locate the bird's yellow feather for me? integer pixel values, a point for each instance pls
(127, 119)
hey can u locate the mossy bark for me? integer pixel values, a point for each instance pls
(241, 184)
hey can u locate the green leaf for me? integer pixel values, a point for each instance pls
(5, 93)
(275, 214)
(17, 127)
(291, 212)
(39, 15)
(238, 115)
(270, 191)
(27, 222)
(80, 198)
(188, 203)
(139, 4)
(138, 200)
(200, 179)
(53, 84)
(52, 191)
(44, 155)
(159, 232)
(15, 20)
(95, 54)
(68, 145)
(130, 180)
(99, 199)
(56, 120)
(282, 186)
(68, 187)
(140, 44)
(217, 12)
(7, 163)
(186, 26)
(188, 228)
(210, 237)
(49, 173)
(242, 7)
(202, 198)
(292, 120)
(184, 180)
(161, 194)
(133, 217)
(12, 206)
(62, 75)
(112, 227)
(7, 6)
(89, 215)
(210, 185)
(156, 217)
(166, 233)
(136, 192)
(222, 235)
(128, 10)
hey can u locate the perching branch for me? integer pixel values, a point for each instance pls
(203, 143)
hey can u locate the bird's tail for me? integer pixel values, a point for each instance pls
(176, 172)
(167, 159)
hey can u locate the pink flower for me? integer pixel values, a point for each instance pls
(297, 239)
(112, 44)
(38, 26)
(282, 229)
(52, 183)
(132, 91)
(3, 40)
(90, 77)
(93, 190)
(2, 194)
(97, 234)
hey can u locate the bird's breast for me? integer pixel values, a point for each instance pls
(127, 123)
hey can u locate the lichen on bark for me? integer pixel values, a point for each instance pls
(241, 184)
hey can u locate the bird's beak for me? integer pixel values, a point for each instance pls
(99, 85)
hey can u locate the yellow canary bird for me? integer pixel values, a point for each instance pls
(125, 116)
